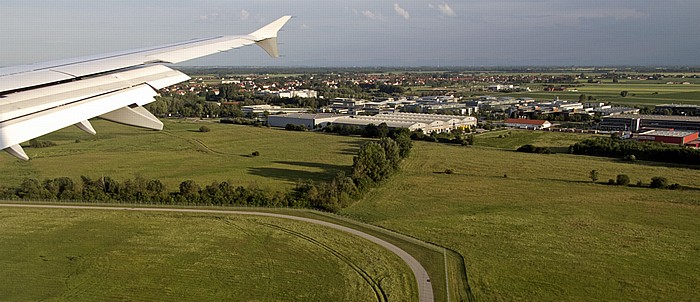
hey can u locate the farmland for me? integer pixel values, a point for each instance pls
(69, 255)
(544, 231)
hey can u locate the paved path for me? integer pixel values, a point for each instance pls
(425, 290)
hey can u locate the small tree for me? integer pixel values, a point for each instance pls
(623, 93)
(204, 129)
(593, 175)
(622, 180)
(658, 182)
(255, 153)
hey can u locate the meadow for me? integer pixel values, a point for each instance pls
(180, 152)
(81, 255)
(535, 227)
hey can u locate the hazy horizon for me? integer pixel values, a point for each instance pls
(496, 33)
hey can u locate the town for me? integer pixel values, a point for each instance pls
(440, 101)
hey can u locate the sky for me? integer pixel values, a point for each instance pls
(361, 33)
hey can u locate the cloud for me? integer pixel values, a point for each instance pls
(446, 10)
(244, 14)
(401, 12)
(372, 15)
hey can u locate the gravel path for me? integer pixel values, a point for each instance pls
(425, 289)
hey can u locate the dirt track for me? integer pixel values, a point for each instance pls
(425, 290)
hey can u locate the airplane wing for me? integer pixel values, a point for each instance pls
(41, 98)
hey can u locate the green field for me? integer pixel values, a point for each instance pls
(545, 232)
(180, 152)
(81, 255)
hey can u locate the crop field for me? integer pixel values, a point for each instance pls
(534, 227)
(180, 153)
(74, 255)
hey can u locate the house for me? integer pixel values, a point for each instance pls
(527, 123)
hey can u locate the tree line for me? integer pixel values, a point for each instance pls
(614, 147)
(374, 162)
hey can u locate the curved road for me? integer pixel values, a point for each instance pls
(425, 290)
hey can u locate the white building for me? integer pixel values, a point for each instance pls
(270, 109)
(310, 120)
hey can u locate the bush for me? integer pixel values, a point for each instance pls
(611, 181)
(449, 171)
(204, 129)
(622, 180)
(534, 149)
(292, 127)
(41, 144)
(255, 153)
(630, 157)
(658, 182)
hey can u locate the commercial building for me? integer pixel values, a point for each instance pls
(680, 138)
(527, 123)
(412, 121)
(270, 109)
(309, 120)
(641, 122)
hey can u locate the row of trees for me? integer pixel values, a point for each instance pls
(613, 147)
(374, 162)
(657, 182)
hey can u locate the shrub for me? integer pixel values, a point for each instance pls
(630, 157)
(622, 180)
(34, 143)
(449, 171)
(255, 153)
(611, 181)
(204, 129)
(674, 186)
(658, 182)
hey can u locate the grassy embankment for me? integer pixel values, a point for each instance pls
(69, 255)
(545, 232)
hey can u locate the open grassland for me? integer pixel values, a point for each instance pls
(638, 93)
(512, 139)
(75, 255)
(180, 153)
(545, 232)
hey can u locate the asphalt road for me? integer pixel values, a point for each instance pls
(425, 289)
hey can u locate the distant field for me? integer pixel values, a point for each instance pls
(76, 255)
(180, 152)
(546, 233)
(512, 139)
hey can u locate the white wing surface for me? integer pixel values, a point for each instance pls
(41, 98)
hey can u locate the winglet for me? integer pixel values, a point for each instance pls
(270, 30)
(266, 37)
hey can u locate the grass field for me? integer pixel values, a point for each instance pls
(180, 152)
(546, 233)
(75, 255)
(512, 139)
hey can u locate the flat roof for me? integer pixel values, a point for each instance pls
(668, 133)
(677, 118)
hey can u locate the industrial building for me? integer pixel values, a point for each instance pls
(681, 138)
(270, 109)
(640, 122)
(412, 121)
(527, 123)
(310, 120)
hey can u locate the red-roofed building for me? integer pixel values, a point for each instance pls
(527, 123)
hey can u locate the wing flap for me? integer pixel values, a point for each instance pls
(27, 102)
(22, 129)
